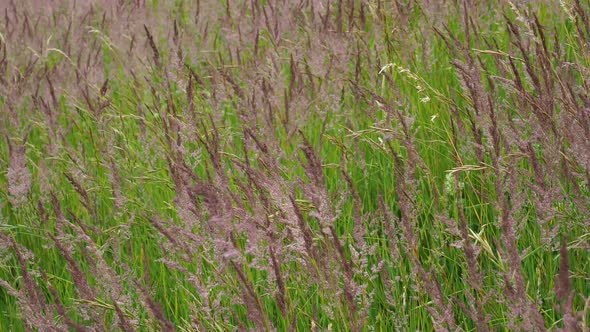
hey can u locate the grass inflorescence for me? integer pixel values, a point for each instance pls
(288, 165)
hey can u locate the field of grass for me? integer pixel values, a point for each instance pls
(294, 165)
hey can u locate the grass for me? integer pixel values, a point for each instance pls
(284, 165)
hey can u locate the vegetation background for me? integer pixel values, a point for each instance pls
(294, 165)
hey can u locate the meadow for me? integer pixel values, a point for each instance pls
(294, 165)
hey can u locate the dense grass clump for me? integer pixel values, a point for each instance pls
(285, 165)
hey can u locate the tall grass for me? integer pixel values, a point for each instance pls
(294, 165)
